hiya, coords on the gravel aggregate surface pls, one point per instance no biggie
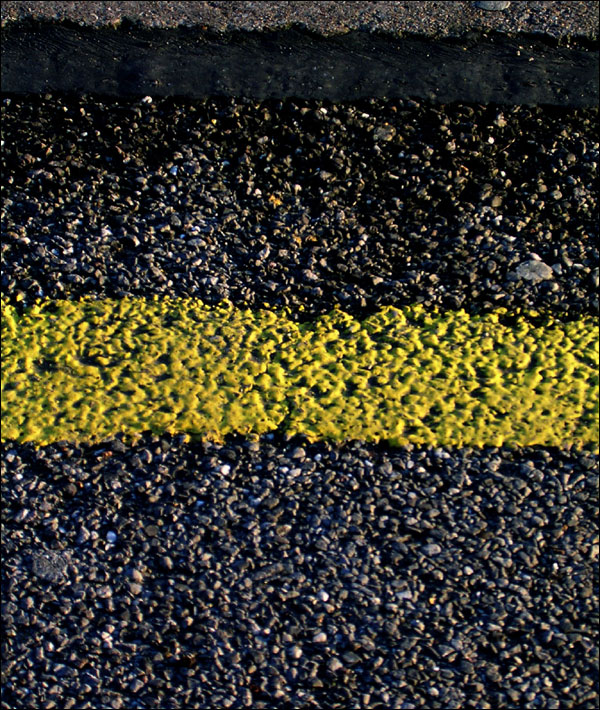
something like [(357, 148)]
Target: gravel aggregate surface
[(301, 203), (553, 19), (279, 573), (286, 574)]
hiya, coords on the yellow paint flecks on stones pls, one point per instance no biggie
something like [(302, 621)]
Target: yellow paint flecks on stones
[(87, 370)]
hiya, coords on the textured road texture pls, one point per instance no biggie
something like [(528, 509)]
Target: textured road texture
[(285, 571), (280, 572)]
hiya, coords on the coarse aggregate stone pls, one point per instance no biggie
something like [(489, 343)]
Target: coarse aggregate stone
[(279, 573), (290, 203)]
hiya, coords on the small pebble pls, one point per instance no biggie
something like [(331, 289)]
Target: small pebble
[(335, 665), (492, 4), (534, 271)]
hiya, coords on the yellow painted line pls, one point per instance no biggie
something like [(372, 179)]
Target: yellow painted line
[(86, 370)]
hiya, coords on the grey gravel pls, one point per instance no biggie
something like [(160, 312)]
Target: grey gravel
[(449, 581), (560, 20)]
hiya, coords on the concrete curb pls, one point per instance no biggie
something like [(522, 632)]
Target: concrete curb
[(530, 53)]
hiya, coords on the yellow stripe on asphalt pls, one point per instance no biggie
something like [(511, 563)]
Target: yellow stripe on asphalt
[(84, 371)]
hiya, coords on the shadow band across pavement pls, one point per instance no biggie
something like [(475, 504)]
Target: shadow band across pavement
[(129, 60)]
